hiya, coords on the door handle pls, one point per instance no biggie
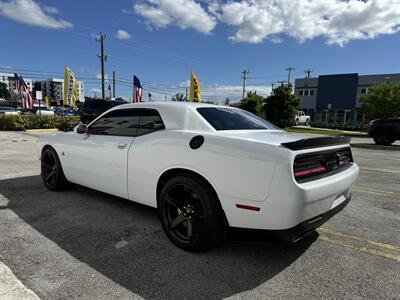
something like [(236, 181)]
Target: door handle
[(121, 146)]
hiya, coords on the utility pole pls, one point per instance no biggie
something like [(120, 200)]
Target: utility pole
[(186, 98), (308, 72), (114, 85), (103, 58), (290, 69), (244, 77)]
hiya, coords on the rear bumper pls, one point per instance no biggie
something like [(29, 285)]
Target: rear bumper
[(297, 232), (290, 203)]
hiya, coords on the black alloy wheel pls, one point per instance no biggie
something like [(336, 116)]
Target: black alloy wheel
[(51, 170), (190, 213)]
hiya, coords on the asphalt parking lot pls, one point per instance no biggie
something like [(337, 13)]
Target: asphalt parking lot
[(83, 244)]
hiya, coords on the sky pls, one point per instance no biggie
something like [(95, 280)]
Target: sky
[(162, 41)]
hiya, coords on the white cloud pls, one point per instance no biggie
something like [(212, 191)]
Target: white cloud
[(98, 76), (95, 91), (51, 9), (123, 35), (338, 21), (29, 12), (182, 13), (276, 39), (218, 93), (127, 11), (253, 21)]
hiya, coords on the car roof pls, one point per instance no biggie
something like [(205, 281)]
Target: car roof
[(178, 115)]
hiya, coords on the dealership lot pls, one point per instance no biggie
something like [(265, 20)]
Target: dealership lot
[(84, 244)]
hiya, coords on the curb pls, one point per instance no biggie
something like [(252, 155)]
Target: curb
[(42, 130)]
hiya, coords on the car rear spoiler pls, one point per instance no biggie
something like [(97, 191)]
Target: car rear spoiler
[(317, 142)]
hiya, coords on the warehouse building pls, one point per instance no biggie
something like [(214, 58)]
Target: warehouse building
[(334, 98)]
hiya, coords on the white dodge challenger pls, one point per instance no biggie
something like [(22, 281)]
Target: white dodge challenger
[(205, 167)]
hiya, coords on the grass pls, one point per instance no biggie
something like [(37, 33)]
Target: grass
[(326, 132)]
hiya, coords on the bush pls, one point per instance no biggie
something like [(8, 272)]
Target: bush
[(23, 122)]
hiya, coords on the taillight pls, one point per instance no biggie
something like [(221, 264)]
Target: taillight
[(309, 165)]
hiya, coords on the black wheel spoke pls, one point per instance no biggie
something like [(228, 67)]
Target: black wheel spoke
[(198, 215), (47, 165), (189, 228), (171, 201), (178, 220), (50, 175)]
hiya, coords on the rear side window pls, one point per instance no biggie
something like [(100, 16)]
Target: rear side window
[(122, 122), (233, 119), (128, 122), (150, 120)]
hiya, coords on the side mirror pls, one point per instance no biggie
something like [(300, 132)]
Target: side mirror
[(81, 129)]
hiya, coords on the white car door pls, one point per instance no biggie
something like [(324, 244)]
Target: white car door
[(98, 159)]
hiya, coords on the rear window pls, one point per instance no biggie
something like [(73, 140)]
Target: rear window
[(222, 118)]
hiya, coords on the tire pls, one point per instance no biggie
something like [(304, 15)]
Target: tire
[(296, 122), (307, 122), (383, 138), (190, 213), (51, 171)]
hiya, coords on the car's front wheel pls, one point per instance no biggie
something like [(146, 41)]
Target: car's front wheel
[(51, 170), (190, 213)]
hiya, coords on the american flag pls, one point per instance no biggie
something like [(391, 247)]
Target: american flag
[(21, 87), (138, 89)]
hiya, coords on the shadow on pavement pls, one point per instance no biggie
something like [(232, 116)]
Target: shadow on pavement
[(125, 242)]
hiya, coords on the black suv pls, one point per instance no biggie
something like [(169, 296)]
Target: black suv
[(384, 131), (91, 109)]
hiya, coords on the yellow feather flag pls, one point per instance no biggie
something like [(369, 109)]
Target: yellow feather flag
[(70, 87), (194, 95)]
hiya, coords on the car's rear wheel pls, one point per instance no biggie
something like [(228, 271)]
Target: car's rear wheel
[(383, 138), (190, 213), (51, 170)]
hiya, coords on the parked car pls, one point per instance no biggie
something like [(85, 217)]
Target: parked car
[(44, 112), (6, 110), (205, 167), (64, 111), (384, 131), (91, 109), (301, 119)]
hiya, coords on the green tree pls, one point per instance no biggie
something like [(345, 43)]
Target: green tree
[(178, 97), (381, 101), (252, 103), (4, 93), (281, 106)]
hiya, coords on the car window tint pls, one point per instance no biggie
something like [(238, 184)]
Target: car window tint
[(150, 121), (117, 122), (233, 119)]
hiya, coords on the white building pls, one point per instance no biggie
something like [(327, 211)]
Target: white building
[(54, 89), (51, 87), (8, 79)]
